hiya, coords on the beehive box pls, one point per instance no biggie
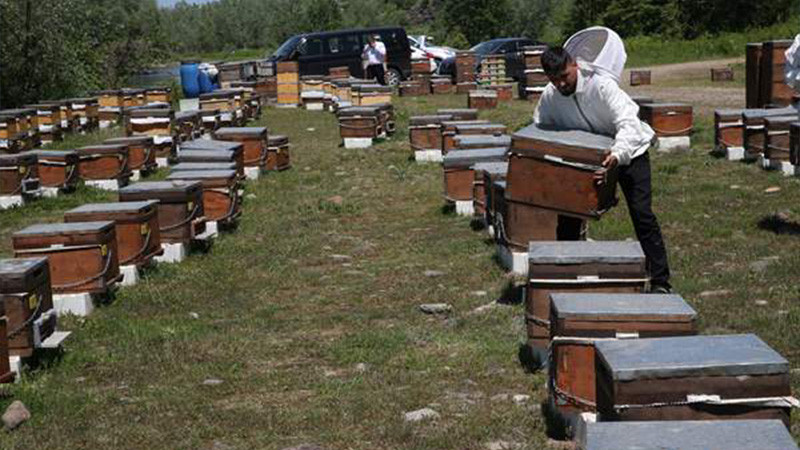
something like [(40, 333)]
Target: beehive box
[(180, 207), (19, 174), (104, 162), (482, 99), (254, 139), (640, 77), (202, 150), (728, 128), (27, 299), (58, 168), (360, 122), (83, 256), (480, 192), (278, 156), (692, 378), (459, 175), (141, 152), (221, 200), (136, 228), (577, 267)]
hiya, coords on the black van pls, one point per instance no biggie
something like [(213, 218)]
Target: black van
[(318, 52)]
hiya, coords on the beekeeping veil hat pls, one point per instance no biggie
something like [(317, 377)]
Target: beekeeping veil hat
[(600, 48)]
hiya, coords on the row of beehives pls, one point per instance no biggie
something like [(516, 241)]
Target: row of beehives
[(67, 267), (152, 128), (771, 136), (613, 353)]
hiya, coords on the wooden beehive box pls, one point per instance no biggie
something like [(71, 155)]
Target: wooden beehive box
[(505, 92), (188, 124), (466, 88), (753, 75), (150, 122), (412, 89), (339, 72), (371, 94), (104, 162), (85, 111), (136, 228), (794, 143), (441, 86), (480, 193), (58, 168), (141, 152), (359, 122), (450, 129), (221, 201), (687, 435), (425, 132), (26, 295), (577, 321), (692, 378), (132, 97), (110, 98), (490, 178), (721, 74), (458, 173), (728, 128), (180, 207), (640, 77), (754, 127), (83, 256), (524, 223), (254, 139), (577, 267), (668, 119), (19, 174), (202, 150), (774, 90), (482, 99), (278, 157), (556, 159), (776, 137), (158, 94), (221, 100), (210, 119)]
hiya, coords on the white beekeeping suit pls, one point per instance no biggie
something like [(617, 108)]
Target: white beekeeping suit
[(601, 49), (792, 67)]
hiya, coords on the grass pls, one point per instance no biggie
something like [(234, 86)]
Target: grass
[(653, 50), (307, 313)]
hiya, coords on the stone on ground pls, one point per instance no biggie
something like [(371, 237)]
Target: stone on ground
[(421, 414), (16, 414), (435, 308)]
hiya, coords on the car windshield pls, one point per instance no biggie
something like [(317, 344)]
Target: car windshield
[(285, 50), (485, 48)]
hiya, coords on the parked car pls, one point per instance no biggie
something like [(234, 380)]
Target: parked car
[(416, 53), (318, 52), (438, 53), (511, 47)]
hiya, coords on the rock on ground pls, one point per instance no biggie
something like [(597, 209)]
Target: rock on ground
[(421, 414), (435, 308), (305, 447), (16, 414)]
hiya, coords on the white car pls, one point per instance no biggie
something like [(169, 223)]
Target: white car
[(416, 53), (436, 52)]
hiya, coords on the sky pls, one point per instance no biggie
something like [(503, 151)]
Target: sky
[(173, 2)]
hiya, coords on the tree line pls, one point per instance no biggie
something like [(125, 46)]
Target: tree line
[(57, 48)]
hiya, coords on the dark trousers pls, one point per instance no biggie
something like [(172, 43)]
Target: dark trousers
[(635, 182), (376, 71)]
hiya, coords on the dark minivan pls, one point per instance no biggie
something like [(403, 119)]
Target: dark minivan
[(318, 52)]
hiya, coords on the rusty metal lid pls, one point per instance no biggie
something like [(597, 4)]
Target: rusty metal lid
[(52, 229), (585, 252), (687, 435), (588, 306), (689, 356)]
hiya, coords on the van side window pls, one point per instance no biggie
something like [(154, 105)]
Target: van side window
[(311, 47), (343, 44)]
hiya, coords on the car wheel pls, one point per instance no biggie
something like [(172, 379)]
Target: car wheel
[(393, 77)]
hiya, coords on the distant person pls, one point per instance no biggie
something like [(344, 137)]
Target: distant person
[(792, 66), (582, 98), (374, 57)]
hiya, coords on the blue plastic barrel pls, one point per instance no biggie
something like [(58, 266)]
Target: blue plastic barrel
[(190, 78), (205, 82)]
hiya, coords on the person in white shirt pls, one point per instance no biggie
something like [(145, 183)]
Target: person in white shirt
[(374, 56), (580, 98)]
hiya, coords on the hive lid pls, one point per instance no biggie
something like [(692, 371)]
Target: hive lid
[(781, 120), (585, 252), (591, 306), (488, 126), (211, 155), (80, 100), (277, 139), (466, 158), (20, 267), (102, 148), (763, 113), (729, 112), (458, 111), (60, 154), (116, 207), (184, 166), (15, 159), (429, 119), (690, 356), (358, 111), (150, 112), (161, 186), (569, 138), (671, 105), (483, 93), (485, 140), (491, 167), (239, 131), (688, 435), (201, 174), (187, 115), (142, 139), (52, 229), (217, 95), (210, 144)]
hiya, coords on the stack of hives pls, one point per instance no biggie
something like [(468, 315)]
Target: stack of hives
[(466, 63), (288, 84), (535, 80), (765, 86), (493, 70)]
